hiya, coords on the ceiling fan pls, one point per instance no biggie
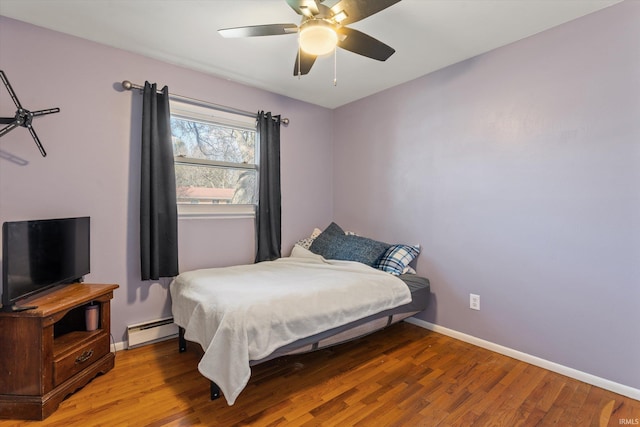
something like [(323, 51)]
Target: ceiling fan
[(22, 117), (323, 28)]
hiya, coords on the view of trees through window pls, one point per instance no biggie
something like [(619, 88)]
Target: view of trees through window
[(215, 163)]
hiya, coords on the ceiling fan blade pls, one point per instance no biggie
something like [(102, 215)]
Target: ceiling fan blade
[(304, 7), (7, 120), (37, 141), (358, 42), (355, 10), (259, 30), (305, 61)]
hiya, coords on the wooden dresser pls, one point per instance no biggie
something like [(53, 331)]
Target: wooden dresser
[(46, 353)]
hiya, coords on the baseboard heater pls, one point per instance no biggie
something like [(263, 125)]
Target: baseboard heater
[(153, 331)]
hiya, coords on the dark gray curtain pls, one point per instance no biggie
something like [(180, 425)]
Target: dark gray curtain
[(268, 217), (158, 210)]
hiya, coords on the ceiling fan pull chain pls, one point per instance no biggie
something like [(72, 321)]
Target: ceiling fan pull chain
[(335, 66), (299, 55)]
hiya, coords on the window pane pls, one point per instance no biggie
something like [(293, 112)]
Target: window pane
[(201, 140), (215, 185)]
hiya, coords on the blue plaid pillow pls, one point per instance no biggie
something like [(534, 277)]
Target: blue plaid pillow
[(397, 258)]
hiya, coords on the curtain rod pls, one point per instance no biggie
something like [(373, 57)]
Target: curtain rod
[(126, 84)]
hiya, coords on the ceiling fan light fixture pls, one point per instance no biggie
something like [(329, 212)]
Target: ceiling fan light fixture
[(318, 37)]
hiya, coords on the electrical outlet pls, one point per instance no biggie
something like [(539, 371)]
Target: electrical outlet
[(474, 302)]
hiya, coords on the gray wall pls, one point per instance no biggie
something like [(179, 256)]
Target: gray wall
[(519, 173), (93, 162)]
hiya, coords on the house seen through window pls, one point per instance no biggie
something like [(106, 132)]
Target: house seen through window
[(215, 160)]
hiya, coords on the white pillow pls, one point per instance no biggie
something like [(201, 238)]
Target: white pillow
[(306, 242)]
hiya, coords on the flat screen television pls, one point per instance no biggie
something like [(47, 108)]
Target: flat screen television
[(40, 254)]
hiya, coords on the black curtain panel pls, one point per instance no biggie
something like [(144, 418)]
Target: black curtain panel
[(158, 210), (268, 217)]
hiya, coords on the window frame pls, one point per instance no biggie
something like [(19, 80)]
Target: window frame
[(199, 111)]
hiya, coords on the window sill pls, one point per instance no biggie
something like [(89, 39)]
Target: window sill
[(197, 211)]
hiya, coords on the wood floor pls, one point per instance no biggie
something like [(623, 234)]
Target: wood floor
[(403, 376)]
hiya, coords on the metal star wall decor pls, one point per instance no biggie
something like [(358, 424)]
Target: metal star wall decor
[(22, 117)]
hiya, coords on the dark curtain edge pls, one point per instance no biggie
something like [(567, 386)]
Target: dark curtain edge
[(269, 211), (158, 208)]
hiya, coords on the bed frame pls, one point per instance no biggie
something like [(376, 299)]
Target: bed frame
[(301, 346), (420, 293), (214, 390)]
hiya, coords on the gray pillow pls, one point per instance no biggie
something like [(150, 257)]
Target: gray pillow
[(333, 230), (337, 245)]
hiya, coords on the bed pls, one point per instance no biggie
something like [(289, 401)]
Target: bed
[(245, 315)]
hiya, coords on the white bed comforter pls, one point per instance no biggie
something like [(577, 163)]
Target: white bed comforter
[(243, 313)]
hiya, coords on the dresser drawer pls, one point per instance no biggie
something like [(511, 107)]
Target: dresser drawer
[(80, 357)]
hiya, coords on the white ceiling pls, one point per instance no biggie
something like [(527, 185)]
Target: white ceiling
[(427, 35)]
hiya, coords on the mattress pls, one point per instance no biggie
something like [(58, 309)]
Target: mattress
[(420, 291)]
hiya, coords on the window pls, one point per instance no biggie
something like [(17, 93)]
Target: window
[(215, 160)]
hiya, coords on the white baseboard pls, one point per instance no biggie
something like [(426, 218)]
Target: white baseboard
[(622, 389), (117, 346)]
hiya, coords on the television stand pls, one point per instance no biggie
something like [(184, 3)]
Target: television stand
[(47, 352), (16, 308)]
